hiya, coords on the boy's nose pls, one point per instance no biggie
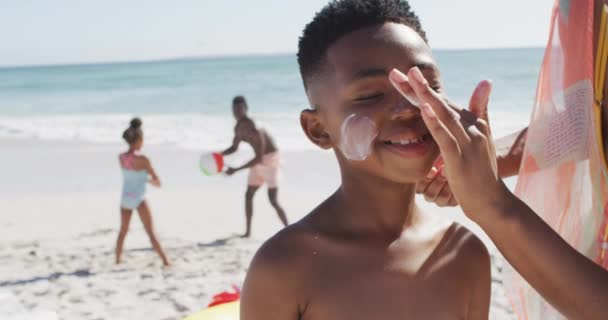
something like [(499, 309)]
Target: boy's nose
[(403, 109)]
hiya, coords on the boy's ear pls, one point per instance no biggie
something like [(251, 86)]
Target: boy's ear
[(314, 129)]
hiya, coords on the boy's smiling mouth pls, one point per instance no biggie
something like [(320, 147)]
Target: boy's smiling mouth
[(408, 145)]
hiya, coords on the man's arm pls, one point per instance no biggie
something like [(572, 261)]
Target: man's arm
[(257, 143), (234, 147), (256, 159)]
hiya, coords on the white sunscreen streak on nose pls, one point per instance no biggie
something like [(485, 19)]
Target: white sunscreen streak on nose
[(398, 108), (409, 97), (357, 134)]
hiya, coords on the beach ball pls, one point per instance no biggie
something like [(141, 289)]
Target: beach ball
[(211, 164)]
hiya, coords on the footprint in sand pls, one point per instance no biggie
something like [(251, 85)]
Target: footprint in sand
[(179, 307), (107, 293), (30, 306), (76, 300), (25, 245), (199, 296), (100, 232), (41, 294), (145, 292)]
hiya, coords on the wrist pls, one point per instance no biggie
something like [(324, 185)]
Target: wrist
[(497, 205)]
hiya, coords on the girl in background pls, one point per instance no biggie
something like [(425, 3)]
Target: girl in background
[(137, 171)]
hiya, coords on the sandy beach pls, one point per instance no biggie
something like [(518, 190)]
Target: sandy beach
[(59, 219)]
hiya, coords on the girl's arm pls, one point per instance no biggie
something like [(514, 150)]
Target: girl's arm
[(155, 181)]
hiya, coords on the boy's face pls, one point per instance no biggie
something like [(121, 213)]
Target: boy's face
[(360, 115)]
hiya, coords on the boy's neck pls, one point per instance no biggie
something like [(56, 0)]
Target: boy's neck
[(375, 205)]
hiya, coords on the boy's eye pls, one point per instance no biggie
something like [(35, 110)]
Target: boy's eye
[(371, 97)]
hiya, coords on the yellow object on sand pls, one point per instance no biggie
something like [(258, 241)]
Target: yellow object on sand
[(226, 311)]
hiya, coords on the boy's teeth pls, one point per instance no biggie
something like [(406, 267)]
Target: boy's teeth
[(406, 142)]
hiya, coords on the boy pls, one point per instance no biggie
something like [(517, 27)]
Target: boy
[(263, 168), (368, 252)]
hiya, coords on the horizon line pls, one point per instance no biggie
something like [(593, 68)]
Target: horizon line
[(218, 56)]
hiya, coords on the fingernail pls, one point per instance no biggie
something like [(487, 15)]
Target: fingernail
[(398, 76), (417, 75), (432, 173), (484, 88), (490, 86), (428, 111)]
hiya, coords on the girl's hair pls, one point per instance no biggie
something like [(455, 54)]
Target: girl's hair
[(134, 132)]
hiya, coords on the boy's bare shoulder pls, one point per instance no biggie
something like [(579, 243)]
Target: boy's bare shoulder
[(472, 245), (467, 249), (287, 249), (278, 272), (455, 238)]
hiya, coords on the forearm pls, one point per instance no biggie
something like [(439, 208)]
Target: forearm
[(575, 285), (151, 172), (229, 151), (153, 176)]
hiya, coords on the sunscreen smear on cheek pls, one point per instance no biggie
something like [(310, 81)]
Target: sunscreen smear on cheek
[(357, 135)]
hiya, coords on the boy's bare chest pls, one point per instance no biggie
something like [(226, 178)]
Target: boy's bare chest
[(368, 287)]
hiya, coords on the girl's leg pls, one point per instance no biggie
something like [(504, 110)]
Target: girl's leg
[(146, 220), (125, 219)]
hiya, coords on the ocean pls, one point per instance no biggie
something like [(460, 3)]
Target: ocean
[(187, 102)]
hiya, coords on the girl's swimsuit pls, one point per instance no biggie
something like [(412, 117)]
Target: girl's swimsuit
[(134, 183)]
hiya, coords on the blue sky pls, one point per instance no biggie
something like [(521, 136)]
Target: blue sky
[(76, 31)]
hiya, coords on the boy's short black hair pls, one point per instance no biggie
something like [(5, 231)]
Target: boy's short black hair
[(341, 17), (238, 99)]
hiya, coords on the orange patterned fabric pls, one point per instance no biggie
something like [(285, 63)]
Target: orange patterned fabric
[(563, 176)]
